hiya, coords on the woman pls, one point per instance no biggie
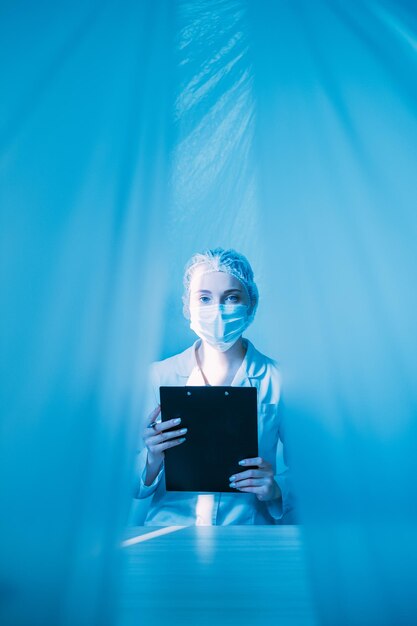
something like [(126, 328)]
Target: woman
[(220, 300)]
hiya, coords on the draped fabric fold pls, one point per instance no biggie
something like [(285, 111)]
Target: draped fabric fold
[(86, 127), (336, 134)]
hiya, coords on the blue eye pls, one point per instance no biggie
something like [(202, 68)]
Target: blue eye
[(204, 299), (232, 299)]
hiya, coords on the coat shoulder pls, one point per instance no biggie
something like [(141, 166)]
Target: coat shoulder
[(266, 365), (172, 369)]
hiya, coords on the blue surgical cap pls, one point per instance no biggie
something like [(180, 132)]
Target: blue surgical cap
[(220, 260)]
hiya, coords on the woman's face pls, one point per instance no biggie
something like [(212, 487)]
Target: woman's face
[(216, 288)]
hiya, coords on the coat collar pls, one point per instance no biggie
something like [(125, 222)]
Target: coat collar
[(253, 365)]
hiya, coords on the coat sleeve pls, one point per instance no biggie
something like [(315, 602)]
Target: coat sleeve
[(152, 400), (282, 508)]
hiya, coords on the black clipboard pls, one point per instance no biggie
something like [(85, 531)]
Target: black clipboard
[(222, 427)]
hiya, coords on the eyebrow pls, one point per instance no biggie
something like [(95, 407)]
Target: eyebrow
[(227, 290)]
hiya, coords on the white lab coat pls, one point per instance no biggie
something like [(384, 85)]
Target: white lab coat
[(185, 508)]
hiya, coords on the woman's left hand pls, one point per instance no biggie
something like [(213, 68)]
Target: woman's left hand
[(259, 481)]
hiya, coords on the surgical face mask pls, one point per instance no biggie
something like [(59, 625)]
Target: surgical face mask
[(220, 325)]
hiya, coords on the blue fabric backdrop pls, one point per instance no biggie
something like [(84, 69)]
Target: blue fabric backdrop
[(133, 135)]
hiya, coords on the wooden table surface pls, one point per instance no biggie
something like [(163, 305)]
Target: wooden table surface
[(221, 575)]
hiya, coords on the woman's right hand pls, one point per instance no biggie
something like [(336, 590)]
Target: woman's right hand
[(157, 441)]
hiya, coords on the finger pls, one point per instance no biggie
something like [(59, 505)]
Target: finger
[(157, 439), (258, 461), (168, 444), (161, 426), (258, 491), (249, 482), (254, 473), (154, 414)]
